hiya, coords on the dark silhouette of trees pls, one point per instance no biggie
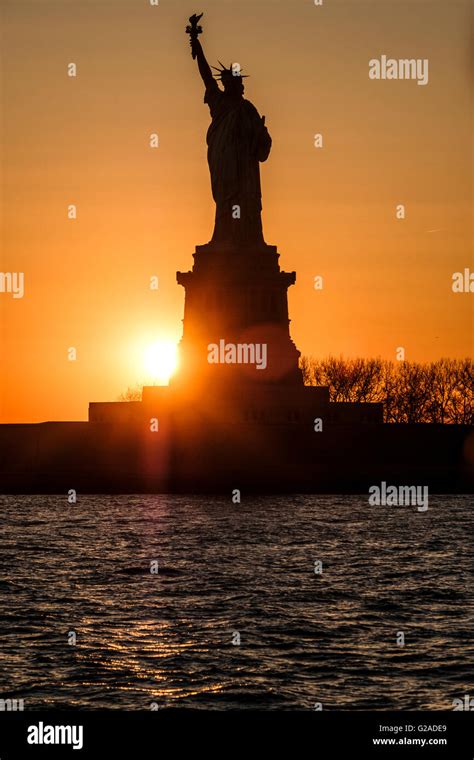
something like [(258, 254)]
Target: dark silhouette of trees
[(440, 391), (133, 393)]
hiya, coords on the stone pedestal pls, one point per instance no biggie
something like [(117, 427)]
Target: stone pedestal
[(236, 297)]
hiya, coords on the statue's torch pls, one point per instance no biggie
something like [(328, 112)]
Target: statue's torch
[(194, 31)]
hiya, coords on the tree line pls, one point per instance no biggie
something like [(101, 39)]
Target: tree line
[(440, 391)]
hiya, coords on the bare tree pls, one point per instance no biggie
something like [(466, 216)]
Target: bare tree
[(441, 391), (133, 393)]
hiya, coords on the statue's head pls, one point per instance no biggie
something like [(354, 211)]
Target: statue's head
[(232, 79)]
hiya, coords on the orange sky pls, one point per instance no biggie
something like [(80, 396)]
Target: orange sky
[(331, 211)]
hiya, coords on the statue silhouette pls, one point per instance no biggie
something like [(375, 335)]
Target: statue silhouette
[(237, 141)]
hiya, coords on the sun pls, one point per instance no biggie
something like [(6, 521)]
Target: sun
[(160, 361)]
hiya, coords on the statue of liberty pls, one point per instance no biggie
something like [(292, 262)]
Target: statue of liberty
[(237, 141)]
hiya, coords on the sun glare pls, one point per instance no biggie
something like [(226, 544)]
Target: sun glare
[(160, 361)]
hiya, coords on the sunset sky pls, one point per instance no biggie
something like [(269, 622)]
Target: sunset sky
[(141, 211)]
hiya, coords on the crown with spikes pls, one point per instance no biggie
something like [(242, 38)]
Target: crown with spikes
[(224, 73)]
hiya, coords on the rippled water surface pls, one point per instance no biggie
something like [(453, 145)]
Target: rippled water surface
[(226, 570)]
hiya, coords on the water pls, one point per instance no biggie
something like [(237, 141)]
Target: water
[(225, 569)]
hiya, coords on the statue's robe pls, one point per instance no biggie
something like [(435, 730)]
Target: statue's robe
[(237, 141)]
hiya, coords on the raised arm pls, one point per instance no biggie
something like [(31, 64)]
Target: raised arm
[(194, 30), (204, 68)]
